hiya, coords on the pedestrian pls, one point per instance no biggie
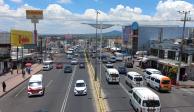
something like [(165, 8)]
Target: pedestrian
[(4, 86), (23, 73), (11, 70)]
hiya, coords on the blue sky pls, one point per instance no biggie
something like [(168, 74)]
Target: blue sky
[(124, 12), (79, 6)]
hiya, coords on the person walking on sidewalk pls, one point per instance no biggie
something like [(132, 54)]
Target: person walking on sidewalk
[(23, 73), (11, 70), (4, 86)]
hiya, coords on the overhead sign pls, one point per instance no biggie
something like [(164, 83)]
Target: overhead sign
[(34, 14), (20, 37)]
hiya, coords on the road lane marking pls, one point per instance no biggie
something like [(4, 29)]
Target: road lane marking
[(68, 90), (122, 86), (50, 82), (20, 92)]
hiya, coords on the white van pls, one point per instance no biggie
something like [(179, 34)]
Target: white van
[(134, 79), (35, 85), (159, 82), (150, 71), (144, 100), (112, 75)]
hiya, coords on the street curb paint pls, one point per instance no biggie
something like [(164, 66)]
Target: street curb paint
[(95, 85)]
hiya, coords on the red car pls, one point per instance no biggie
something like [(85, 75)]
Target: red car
[(59, 66)]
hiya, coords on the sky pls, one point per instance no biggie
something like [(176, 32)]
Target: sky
[(68, 16)]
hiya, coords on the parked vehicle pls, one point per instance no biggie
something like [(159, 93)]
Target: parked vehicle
[(150, 71), (134, 79), (159, 82), (35, 85), (80, 88), (144, 100), (112, 75)]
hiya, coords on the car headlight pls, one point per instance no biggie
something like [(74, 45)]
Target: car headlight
[(75, 90)]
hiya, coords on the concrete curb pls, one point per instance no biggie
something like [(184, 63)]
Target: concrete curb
[(17, 85)]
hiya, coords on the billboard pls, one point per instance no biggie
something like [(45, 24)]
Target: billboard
[(20, 37), (34, 14)]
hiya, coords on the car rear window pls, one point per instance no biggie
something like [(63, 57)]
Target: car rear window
[(166, 82)]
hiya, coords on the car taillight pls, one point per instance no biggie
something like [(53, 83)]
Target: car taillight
[(29, 88)]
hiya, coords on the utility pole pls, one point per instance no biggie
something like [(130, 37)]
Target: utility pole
[(181, 47), (95, 77)]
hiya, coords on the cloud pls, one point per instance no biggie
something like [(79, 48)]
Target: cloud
[(57, 19), (17, 1), (64, 1)]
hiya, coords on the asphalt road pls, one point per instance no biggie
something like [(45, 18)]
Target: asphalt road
[(178, 100), (58, 96)]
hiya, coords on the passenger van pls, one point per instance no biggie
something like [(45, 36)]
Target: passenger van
[(112, 75), (134, 79), (150, 71), (159, 82), (144, 100), (35, 85)]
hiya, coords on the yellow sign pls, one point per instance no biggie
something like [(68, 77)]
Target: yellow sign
[(20, 37), (34, 14)]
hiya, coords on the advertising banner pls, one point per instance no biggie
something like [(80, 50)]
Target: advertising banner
[(34, 14), (20, 37)]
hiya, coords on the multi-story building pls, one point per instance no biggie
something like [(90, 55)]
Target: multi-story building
[(138, 37), (5, 47)]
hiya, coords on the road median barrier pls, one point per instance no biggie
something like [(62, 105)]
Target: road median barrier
[(96, 85)]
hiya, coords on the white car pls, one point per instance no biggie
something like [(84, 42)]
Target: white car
[(47, 67), (80, 88), (74, 61), (109, 65)]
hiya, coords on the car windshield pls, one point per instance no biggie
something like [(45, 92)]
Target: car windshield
[(34, 84), (156, 72), (138, 78), (114, 75), (80, 84), (151, 103)]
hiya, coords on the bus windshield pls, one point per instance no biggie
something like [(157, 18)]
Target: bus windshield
[(151, 103)]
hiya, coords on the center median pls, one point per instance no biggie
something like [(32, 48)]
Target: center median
[(102, 107)]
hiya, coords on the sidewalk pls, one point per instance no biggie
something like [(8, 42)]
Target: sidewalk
[(13, 80)]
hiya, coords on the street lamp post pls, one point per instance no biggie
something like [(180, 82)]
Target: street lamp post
[(95, 76), (181, 46)]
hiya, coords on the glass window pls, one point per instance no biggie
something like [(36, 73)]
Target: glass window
[(151, 103), (156, 80), (138, 79), (34, 84), (152, 78), (166, 82), (80, 84)]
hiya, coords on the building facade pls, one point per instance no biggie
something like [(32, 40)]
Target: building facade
[(138, 37)]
